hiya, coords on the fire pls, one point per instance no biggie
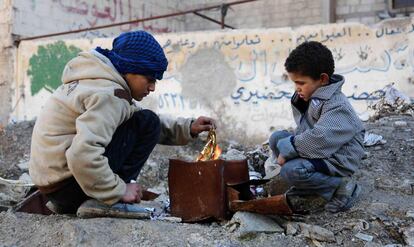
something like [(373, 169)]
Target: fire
[(211, 150), (217, 152)]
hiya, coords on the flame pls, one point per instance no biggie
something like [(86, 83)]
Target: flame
[(217, 152), (211, 150)]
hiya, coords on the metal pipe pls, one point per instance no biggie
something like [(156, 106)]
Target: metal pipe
[(212, 20), (133, 21)]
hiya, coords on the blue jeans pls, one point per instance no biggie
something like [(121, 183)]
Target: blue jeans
[(129, 149), (301, 173)]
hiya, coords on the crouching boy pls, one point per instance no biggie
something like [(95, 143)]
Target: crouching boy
[(91, 140), (327, 145)]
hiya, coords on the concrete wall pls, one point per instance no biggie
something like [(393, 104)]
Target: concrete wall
[(367, 11), (238, 76), (263, 14), (39, 17), (6, 60), (48, 16)]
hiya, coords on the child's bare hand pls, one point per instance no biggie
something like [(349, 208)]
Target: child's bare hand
[(280, 160), (202, 124), (133, 193)]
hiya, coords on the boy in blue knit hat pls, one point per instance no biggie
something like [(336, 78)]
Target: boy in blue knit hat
[(91, 140)]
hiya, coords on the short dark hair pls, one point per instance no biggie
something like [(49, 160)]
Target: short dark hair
[(311, 59)]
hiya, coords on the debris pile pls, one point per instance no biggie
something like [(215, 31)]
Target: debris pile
[(391, 102), (383, 217)]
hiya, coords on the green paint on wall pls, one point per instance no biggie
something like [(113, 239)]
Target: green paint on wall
[(46, 67)]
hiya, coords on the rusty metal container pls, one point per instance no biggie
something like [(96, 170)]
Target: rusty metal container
[(198, 190), (35, 203)]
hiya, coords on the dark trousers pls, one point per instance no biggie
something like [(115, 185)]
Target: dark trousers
[(130, 147)]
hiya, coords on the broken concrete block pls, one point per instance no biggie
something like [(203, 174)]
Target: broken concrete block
[(170, 219), (316, 232), (292, 228), (408, 235), (372, 244), (400, 124), (233, 154), (25, 178), (251, 224), (410, 214), (24, 166), (364, 237)]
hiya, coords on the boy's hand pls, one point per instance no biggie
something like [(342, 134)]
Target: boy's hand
[(280, 160), (133, 193), (201, 124)]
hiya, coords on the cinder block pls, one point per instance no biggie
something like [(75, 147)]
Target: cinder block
[(364, 8), (368, 20), (341, 3), (353, 2), (355, 19), (316, 12), (379, 6), (368, 1), (342, 10)]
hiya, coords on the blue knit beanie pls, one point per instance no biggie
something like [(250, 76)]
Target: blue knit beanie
[(137, 53)]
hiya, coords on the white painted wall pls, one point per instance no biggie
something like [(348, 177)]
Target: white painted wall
[(238, 76), (6, 60)]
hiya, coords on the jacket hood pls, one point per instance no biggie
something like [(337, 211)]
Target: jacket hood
[(92, 65), (326, 92)]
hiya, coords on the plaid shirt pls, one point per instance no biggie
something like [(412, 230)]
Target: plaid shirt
[(327, 128)]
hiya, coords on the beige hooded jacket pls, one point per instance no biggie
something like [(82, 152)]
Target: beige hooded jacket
[(77, 123)]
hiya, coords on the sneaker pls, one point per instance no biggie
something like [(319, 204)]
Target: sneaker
[(302, 202), (345, 196), (93, 208)]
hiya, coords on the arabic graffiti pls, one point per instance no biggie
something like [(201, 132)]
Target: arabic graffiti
[(255, 96), (111, 11), (382, 65), (233, 43), (244, 95), (261, 89), (46, 66), (176, 101), (387, 31), (323, 36)]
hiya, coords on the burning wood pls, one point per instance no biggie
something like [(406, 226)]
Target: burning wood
[(211, 150)]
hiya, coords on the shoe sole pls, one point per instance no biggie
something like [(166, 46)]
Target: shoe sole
[(119, 210), (353, 199)]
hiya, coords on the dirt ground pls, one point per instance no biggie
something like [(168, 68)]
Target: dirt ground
[(385, 210)]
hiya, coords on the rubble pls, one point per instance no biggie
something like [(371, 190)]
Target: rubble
[(316, 232), (410, 213), (371, 139), (250, 224), (272, 168), (24, 166), (364, 237), (257, 158), (233, 154), (408, 235), (400, 124), (361, 225), (384, 212), (392, 102)]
